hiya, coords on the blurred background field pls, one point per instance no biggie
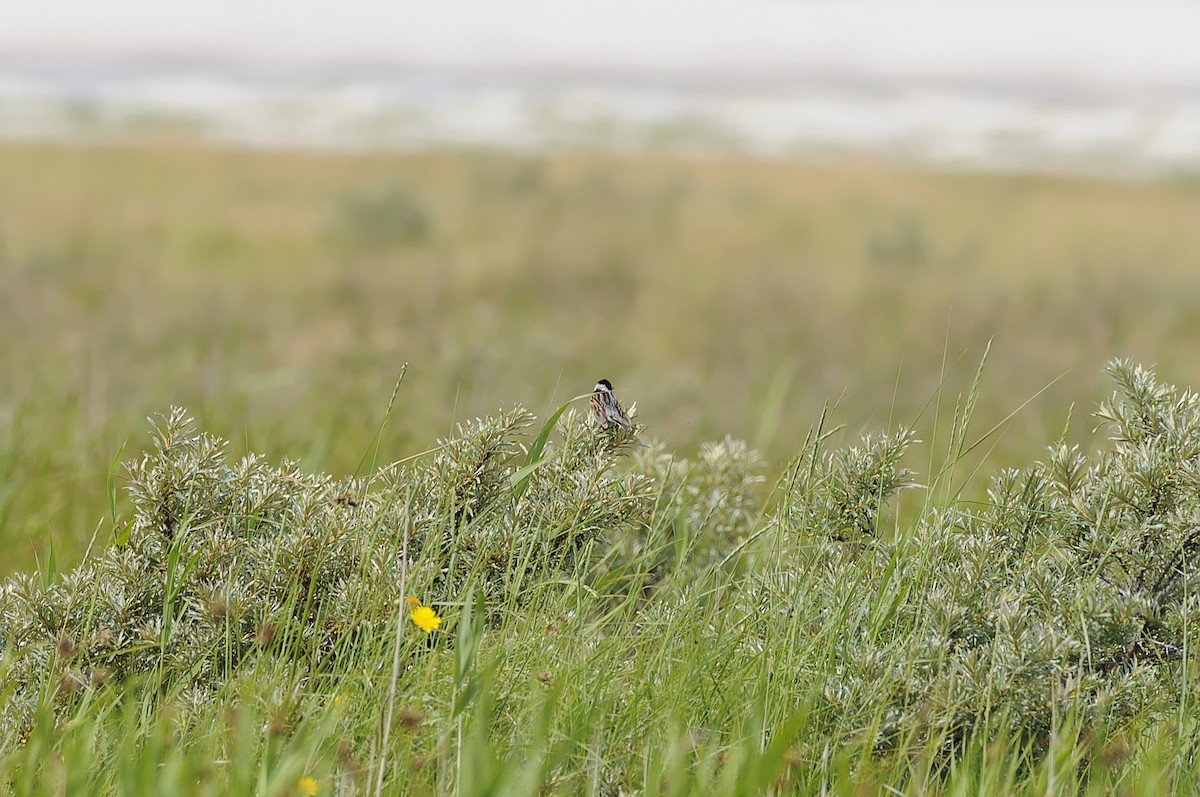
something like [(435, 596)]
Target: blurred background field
[(277, 294)]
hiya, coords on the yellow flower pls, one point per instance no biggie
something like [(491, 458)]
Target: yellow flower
[(308, 787), (425, 618)]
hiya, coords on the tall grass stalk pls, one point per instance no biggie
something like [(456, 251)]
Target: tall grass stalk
[(400, 607)]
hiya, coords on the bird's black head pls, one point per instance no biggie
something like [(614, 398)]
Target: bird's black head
[(604, 384)]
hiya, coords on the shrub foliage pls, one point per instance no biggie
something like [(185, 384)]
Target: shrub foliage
[(1071, 590)]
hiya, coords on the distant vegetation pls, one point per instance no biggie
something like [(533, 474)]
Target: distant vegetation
[(277, 295)]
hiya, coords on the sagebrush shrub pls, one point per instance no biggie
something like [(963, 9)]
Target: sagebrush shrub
[(704, 507), (1073, 587), (223, 559)]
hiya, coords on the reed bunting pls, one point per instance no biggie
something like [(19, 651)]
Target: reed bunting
[(606, 409)]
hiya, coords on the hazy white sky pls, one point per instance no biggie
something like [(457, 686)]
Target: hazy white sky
[(1104, 87), (1123, 43)]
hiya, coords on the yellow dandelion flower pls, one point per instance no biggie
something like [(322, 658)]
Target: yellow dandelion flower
[(425, 618), (308, 787)]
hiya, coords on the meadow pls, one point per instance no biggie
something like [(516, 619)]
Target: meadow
[(954, 553)]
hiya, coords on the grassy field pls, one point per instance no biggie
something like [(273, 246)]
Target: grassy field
[(278, 295), (677, 614)]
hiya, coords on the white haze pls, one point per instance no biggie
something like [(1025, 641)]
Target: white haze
[(1095, 87)]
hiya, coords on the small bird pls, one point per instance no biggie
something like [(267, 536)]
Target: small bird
[(606, 409)]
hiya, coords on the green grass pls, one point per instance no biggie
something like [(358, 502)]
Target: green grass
[(270, 294), (625, 622), (797, 615)]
